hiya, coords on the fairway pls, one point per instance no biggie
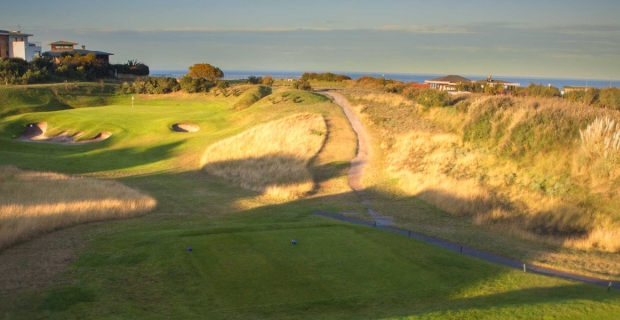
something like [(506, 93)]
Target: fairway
[(242, 264)]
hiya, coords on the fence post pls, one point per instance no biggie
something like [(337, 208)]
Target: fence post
[(410, 233), (609, 286), (461, 249), (524, 270)]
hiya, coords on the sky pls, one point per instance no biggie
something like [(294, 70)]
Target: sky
[(525, 38)]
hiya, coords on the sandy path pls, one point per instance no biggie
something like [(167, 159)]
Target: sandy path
[(358, 164)]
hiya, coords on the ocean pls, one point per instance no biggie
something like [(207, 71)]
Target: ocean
[(406, 77)]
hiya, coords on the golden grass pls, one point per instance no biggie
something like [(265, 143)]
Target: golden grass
[(271, 158), (442, 170), (35, 202)]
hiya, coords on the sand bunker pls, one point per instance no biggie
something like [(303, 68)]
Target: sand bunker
[(35, 132), (185, 127)]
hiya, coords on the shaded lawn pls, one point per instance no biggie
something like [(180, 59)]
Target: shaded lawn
[(244, 266)]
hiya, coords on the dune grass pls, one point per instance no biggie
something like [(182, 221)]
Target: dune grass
[(271, 158), (34, 202), (515, 166), (242, 264)]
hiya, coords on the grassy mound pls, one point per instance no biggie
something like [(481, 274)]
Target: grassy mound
[(35, 202), (51, 97), (271, 158), (251, 96)]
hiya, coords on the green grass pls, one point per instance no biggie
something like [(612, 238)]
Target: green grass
[(243, 264), (51, 97)]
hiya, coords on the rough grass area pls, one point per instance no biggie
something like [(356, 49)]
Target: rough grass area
[(271, 158), (33, 202), (250, 96), (50, 97), (516, 166)]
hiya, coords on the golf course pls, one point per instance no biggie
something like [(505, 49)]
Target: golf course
[(188, 209)]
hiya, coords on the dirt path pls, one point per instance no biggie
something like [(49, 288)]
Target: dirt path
[(358, 164)]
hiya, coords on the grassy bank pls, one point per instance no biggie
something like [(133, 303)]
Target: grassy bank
[(513, 166), (51, 97)]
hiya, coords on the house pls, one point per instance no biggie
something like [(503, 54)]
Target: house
[(567, 89), (447, 83), (61, 48), (508, 86), (14, 44)]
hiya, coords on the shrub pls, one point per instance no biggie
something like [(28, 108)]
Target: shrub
[(191, 85), (155, 85), (268, 81), (537, 90), (302, 84), (254, 80), (433, 98)]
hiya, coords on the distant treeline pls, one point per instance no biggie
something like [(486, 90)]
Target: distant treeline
[(46, 69), (327, 76)]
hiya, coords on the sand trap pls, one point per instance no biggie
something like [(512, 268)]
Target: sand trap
[(35, 132), (185, 127)]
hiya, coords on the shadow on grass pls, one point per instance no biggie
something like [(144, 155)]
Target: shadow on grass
[(98, 156), (243, 265)]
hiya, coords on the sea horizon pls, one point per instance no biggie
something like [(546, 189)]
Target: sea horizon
[(406, 77)]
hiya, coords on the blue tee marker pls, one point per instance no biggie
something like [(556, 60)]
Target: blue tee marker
[(189, 248), (294, 241)]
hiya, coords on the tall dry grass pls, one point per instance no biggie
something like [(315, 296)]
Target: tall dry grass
[(271, 158), (35, 202), (542, 169)]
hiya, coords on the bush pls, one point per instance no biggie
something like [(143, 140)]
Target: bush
[(191, 85), (255, 80), (610, 98), (537, 90), (302, 84), (429, 97), (268, 81), (155, 85)]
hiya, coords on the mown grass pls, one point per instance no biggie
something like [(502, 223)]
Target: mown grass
[(36, 98), (515, 166), (242, 264)]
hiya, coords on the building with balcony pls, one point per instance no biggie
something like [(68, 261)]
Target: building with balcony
[(14, 44), (60, 48)]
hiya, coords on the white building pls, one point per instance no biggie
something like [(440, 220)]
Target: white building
[(14, 44)]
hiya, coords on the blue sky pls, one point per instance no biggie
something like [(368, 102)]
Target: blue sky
[(568, 38)]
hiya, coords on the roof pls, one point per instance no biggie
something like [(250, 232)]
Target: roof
[(14, 33), (82, 52), (63, 43), (450, 78)]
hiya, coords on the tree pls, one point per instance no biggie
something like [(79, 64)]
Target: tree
[(255, 80), (268, 80), (205, 71)]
